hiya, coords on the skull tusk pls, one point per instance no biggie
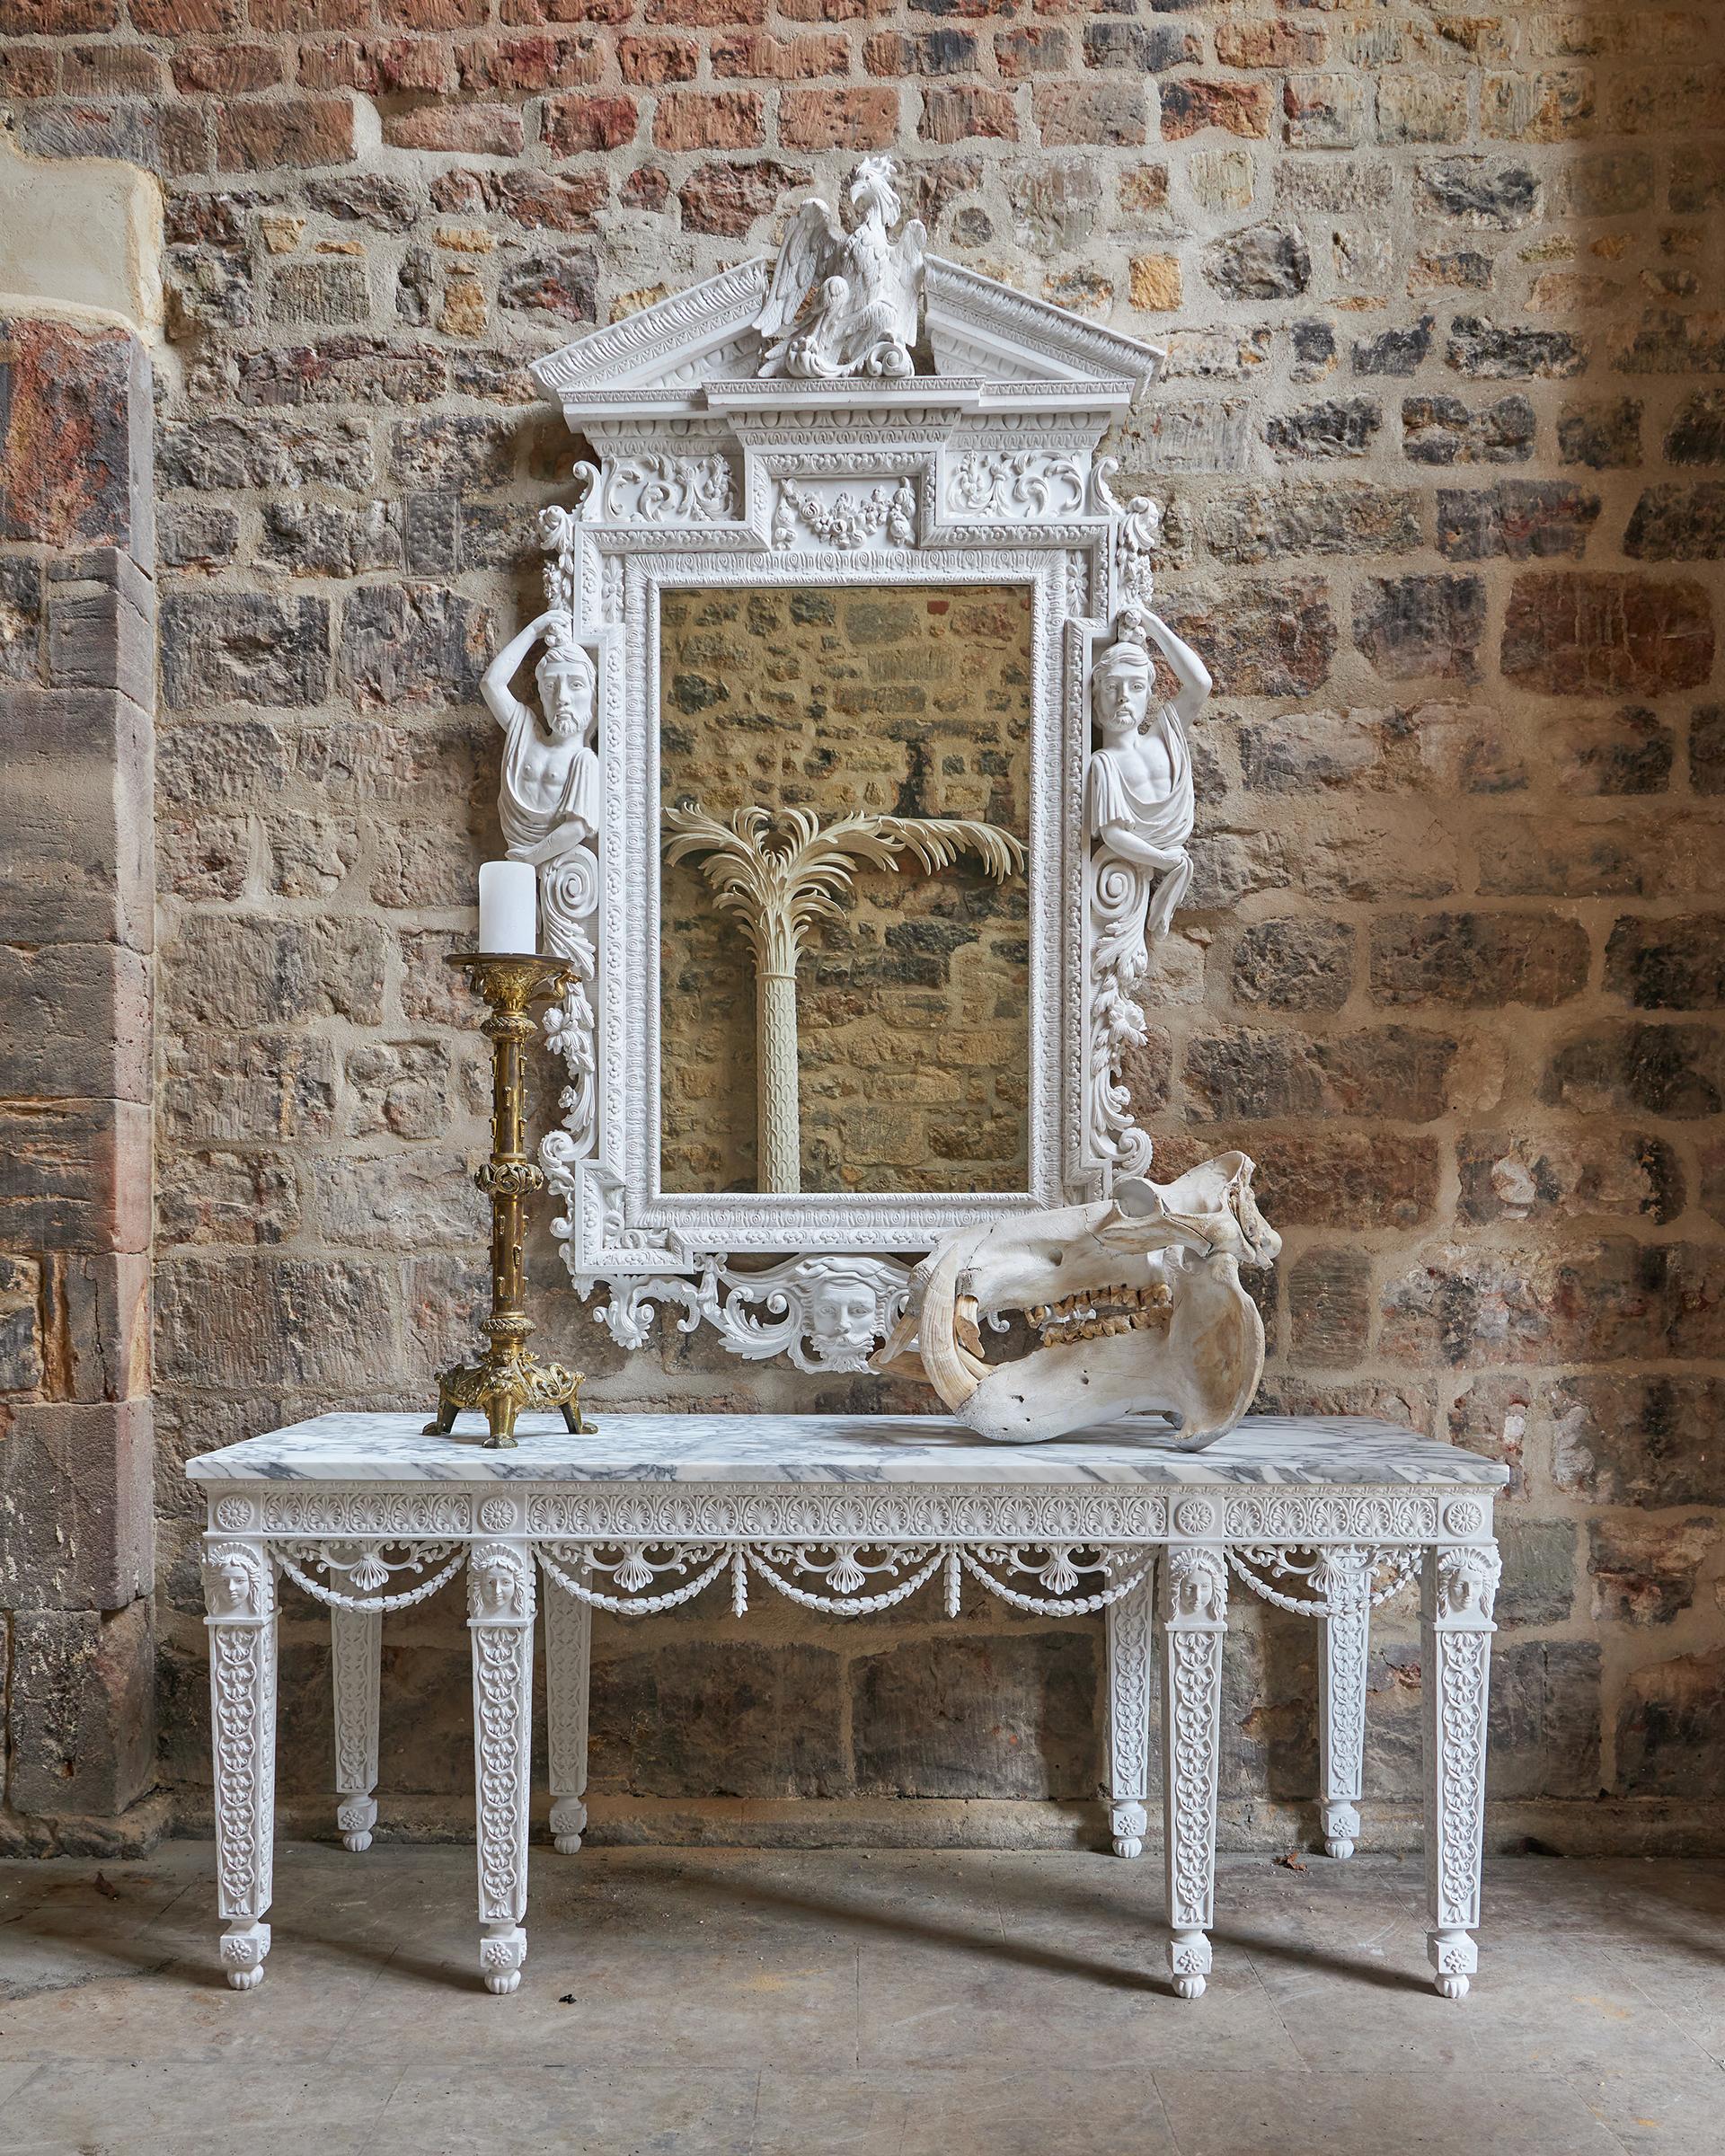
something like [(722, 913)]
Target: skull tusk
[(967, 1309), (943, 1359)]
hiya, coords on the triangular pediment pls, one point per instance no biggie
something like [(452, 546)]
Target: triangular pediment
[(975, 329)]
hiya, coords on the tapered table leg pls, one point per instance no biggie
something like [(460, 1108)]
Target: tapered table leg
[(499, 1622), (1192, 1606), (1344, 1638), (1128, 1768), (1459, 1588), (356, 1662), (240, 1599), (569, 1645)]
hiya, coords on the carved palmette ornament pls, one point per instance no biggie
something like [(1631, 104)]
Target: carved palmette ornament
[(1135, 1303)]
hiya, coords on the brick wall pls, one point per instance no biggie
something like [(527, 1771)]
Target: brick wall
[(1444, 438)]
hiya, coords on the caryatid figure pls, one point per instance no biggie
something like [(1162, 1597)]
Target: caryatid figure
[(1138, 804), (549, 803)]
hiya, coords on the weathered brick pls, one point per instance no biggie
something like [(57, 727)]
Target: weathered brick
[(826, 119), (1567, 634), (1395, 1072), (403, 643), (1602, 435), (685, 119), (1667, 964), (1114, 114), (1340, 426), (1480, 960), (1324, 112), (1412, 628), (919, 1711), (1678, 523), (1512, 1176), (476, 130), (1329, 1307), (1264, 261), (1353, 518), (242, 1320), (1141, 47), (1444, 430), (1330, 1178), (82, 1728), (725, 1719), (1521, 519), (1664, 1070), (1191, 103), (1480, 192), (1480, 349), (1697, 434), (728, 198), (1670, 343), (1293, 965), (243, 647), (1627, 1439), (559, 281), (1669, 1726), (257, 136), (1268, 639)]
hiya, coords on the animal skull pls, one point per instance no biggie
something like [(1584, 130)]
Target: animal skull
[(1136, 1301)]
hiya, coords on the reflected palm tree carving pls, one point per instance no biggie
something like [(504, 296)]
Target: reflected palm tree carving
[(780, 874)]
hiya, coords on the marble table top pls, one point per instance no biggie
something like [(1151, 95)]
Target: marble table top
[(801, 1449)]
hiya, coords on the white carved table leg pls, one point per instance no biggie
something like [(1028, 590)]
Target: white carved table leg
[(1127, 1774), (1344, 1638), (1456, 1629), (356, 1661), (500, 1621), (1192, 1619), (240, 1598), (569, 1645)]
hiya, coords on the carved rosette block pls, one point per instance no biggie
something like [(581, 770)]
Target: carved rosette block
[(1192, 1611), (1129, 1628), (1459, 1589), (239, 1601), (500, 1598)]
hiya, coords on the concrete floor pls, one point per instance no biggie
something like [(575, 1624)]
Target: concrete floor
[(698, 2003)]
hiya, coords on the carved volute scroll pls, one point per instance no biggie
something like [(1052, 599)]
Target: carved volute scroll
[(858, 412)]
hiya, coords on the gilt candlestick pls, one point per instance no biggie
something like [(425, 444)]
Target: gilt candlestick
[(506, 1378)]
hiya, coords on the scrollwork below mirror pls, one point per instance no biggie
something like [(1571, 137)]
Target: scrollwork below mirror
[(851, 798)]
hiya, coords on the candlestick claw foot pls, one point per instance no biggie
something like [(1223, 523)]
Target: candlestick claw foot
[(500, 1385)]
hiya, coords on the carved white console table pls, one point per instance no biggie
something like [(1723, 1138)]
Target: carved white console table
[(848, 1515)]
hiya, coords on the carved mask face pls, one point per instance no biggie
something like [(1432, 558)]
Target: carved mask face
[(1133, 1305), (1121, 697), (567, 695), (841, 1315)]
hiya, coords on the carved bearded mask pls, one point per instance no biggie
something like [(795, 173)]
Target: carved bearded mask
[(1133, 1305)]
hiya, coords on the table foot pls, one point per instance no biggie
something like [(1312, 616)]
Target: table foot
[(1455, 1955), (1341, 1827), (1189, 1962), (568, 1825), (502, 1949), (355, 1816), (1128, 1822), (244, 1946)]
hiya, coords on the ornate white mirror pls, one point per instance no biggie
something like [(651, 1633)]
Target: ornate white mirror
[(850, 789)]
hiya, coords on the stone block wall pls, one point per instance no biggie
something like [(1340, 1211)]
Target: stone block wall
[(1443, 439), (77, 687)]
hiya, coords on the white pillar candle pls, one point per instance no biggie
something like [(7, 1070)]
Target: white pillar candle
[(509, 906)]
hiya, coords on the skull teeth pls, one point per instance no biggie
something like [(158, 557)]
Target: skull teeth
[(1105, 1315)]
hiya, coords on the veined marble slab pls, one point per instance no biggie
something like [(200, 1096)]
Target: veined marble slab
[(756, 1449)]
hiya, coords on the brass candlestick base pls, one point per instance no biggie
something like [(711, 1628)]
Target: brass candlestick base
[(506, 1378)]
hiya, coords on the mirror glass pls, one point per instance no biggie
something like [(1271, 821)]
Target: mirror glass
[(861, 725)]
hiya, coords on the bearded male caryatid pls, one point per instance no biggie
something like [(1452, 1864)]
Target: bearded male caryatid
[(549, 803)]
